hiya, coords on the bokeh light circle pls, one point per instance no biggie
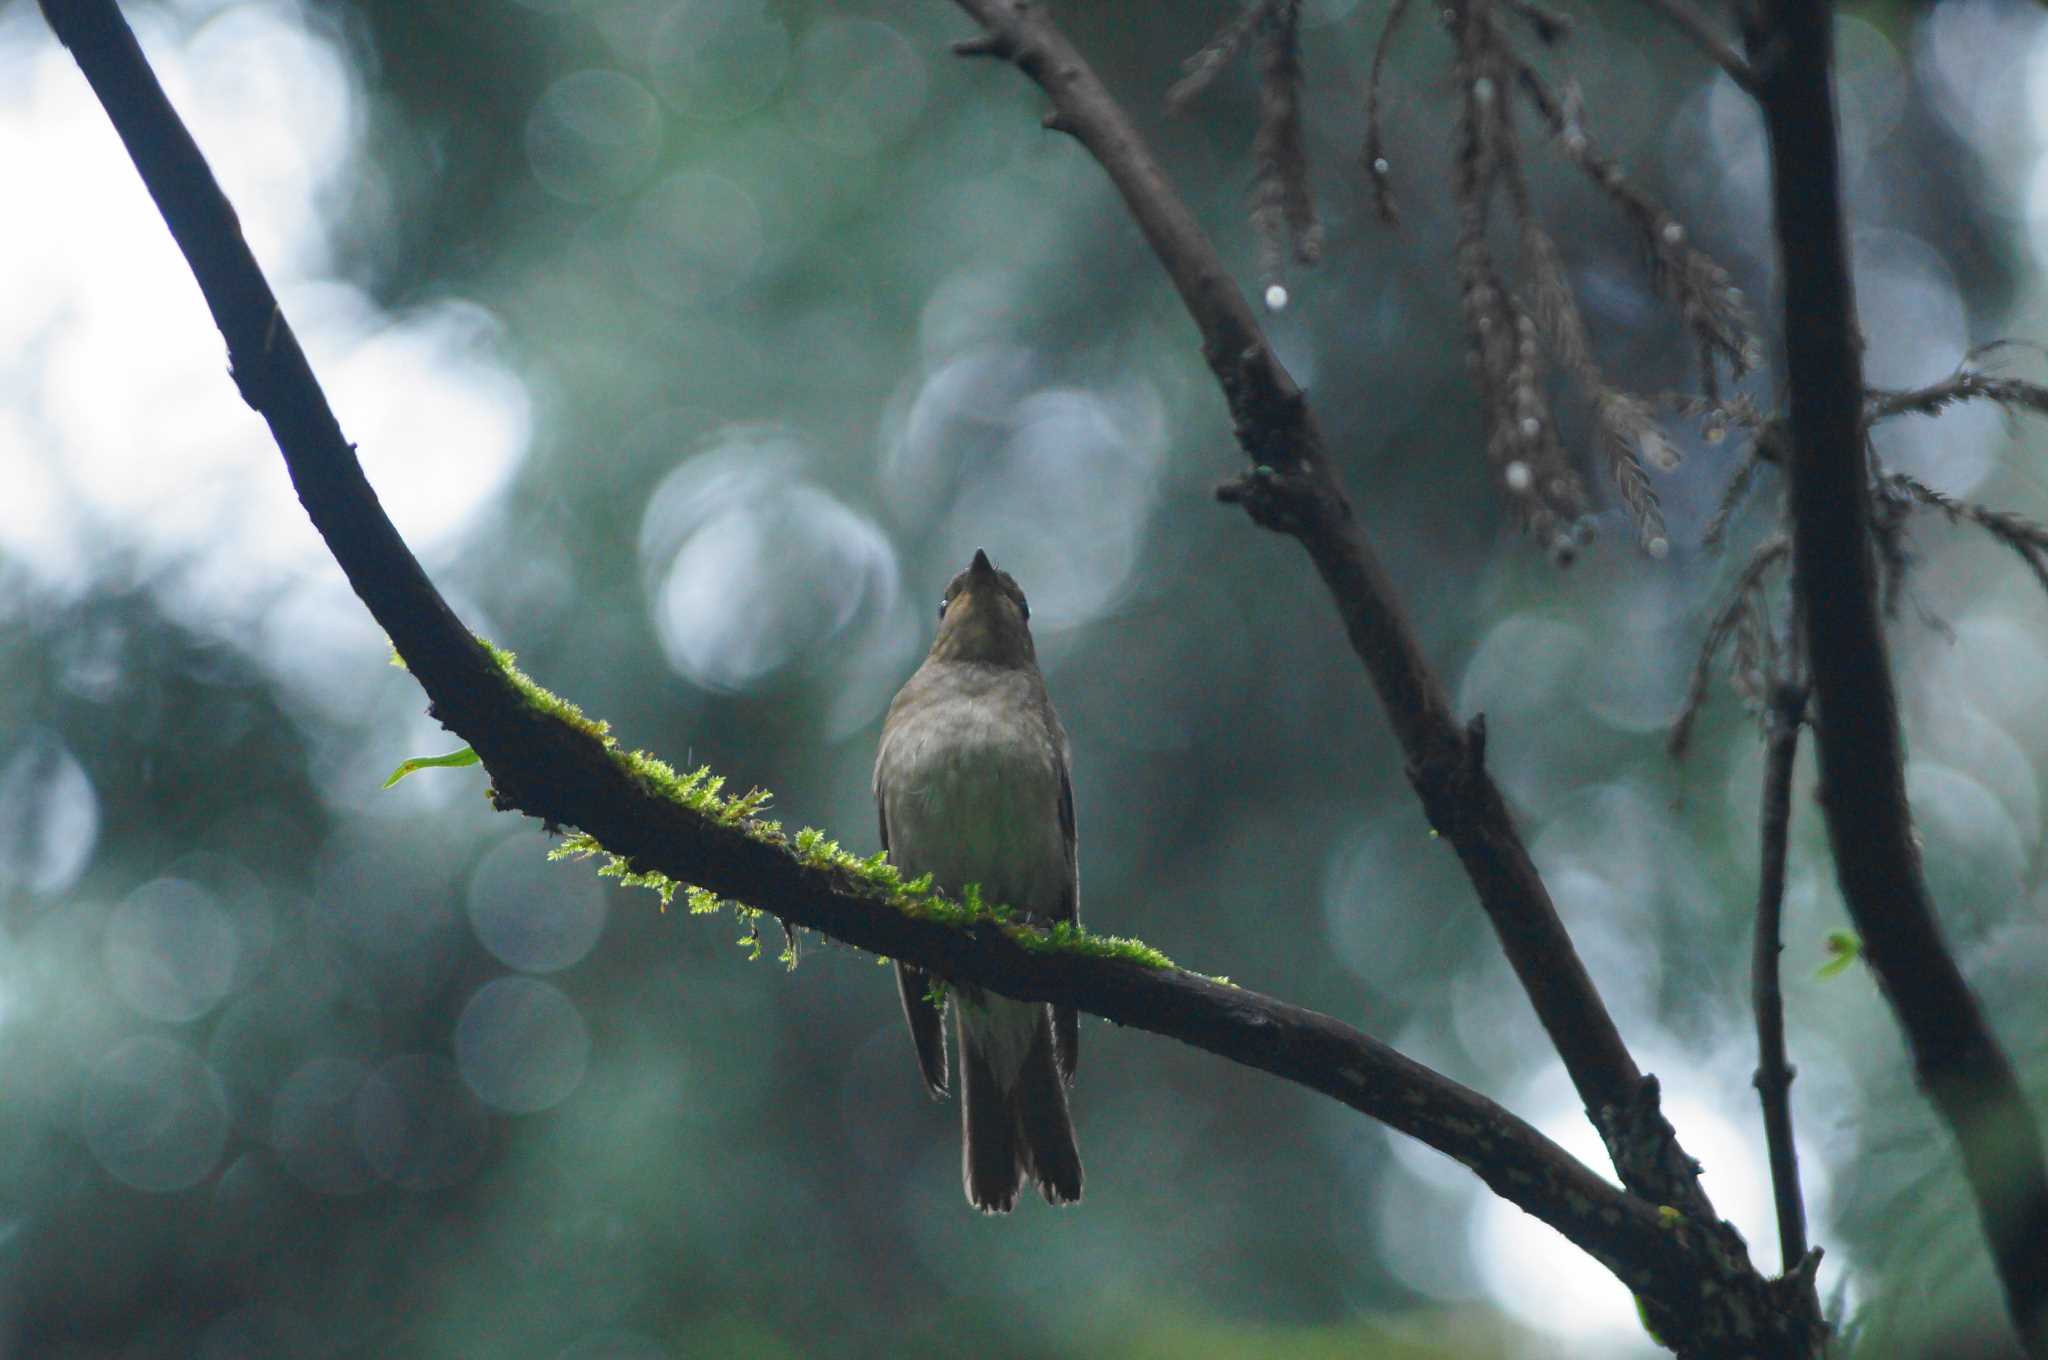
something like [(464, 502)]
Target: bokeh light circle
[(593, 135), (420, 1127), (715, 60), (751, 566), (858, 87), (522, 1045), (1077, 552), (312, 1127), (531, 914), (171, 950), (154, 1115), (1918, 331), (694, 238), (1555, 1288), (49, 816)]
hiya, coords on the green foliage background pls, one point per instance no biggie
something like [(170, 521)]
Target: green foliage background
[(807, 309)]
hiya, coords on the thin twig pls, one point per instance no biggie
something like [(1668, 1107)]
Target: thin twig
[(2023, 536), (1200, 70), (1731, 497), (1377, 170), (1694, 26), (1548, 25), (1966, 385), (1772, 550), (1710, 306), (1785, 713)]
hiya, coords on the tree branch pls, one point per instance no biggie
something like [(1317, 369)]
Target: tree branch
[(1957, 1060), (565, 774), (1292, 488), (1694, 25), (1786, 711)]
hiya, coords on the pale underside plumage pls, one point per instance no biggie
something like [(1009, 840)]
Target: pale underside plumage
[(971, 784)]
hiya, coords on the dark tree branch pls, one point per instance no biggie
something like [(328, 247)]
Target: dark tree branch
[(565, 775), (1787, 710), (1957, 1060), (1293, 488)]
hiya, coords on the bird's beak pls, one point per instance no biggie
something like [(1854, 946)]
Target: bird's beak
[(982, 568)]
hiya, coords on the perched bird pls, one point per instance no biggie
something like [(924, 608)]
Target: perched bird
[(972, 786)]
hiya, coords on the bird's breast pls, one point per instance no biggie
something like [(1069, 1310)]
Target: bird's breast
[(971, 788)]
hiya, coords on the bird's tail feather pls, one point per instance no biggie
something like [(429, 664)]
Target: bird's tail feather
[(988, 1126), (1045, 1126), (1025, 1130)]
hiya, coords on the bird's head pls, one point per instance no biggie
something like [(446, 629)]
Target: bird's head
[(983, 617)]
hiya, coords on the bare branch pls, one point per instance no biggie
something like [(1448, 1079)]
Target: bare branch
[(1378, 171), (1786, 712), (1957, 1058), (1204, 66), (1763, 447)]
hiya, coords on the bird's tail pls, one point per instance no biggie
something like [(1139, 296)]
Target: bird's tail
[(1019, 1128)]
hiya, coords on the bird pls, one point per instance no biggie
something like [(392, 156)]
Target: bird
[(973, 786)]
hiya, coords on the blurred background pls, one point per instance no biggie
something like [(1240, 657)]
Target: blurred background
[(694, 344)]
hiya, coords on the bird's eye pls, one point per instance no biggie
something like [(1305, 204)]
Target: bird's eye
[(942, 606), (1024, 608)]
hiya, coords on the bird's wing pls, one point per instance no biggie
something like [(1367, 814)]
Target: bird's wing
[(926, 1018), (1066, 1026)]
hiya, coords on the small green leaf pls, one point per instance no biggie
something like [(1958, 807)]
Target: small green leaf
[(466, 756), (1844, 948)]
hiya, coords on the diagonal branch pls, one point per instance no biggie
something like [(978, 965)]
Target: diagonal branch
[(1956, 1057), (565, 774), (1293, 488)]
